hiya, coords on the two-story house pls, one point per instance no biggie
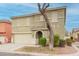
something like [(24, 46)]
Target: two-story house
[(27, 28)]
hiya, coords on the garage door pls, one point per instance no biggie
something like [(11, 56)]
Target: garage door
[(23, 39), (2, 38)]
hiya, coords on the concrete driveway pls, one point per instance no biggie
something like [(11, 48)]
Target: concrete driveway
[(8, 50)]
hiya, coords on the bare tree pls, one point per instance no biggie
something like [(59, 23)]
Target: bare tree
[(42, 8)]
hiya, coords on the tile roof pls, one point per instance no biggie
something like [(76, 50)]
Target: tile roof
[(5, 21)]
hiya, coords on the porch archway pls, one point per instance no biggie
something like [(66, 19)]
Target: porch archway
[(38, 35)]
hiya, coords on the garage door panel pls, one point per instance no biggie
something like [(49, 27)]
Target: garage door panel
[(23, 39)]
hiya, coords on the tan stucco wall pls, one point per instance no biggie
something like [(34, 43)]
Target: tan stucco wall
[(32, 24)]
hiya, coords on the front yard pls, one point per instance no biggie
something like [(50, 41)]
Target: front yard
[(46, 50)]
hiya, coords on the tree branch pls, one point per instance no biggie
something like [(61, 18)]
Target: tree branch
[(43, 5), (46, 6), (39, 6)]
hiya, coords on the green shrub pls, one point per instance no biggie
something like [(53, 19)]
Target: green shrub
[(56, 40), (69, 42), (61, 43), (42, 41)]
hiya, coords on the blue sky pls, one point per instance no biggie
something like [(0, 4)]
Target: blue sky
[(9, 10)]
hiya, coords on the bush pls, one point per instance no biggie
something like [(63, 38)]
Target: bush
[(61, 43), (56, 40), (69, 42), (72, 39), (42, 41), (0, 42)]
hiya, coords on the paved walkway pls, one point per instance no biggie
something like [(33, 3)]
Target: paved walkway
[(76, 53), (11, 47), (75, 46)]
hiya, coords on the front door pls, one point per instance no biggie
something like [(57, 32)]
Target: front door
[(38, 36)]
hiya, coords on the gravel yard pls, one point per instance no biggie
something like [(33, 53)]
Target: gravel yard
[(46, 50)]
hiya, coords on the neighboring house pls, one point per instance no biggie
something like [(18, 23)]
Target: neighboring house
[(28, 28), (75, 33), (5, 31), (67, 35)]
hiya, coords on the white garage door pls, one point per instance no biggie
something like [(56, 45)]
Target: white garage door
[(23, 39), (2, 38)]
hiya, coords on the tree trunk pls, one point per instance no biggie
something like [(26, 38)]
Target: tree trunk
[(42, 9), (51, 35)]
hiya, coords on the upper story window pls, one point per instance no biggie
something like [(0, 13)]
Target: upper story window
[(55, 25), (54, 17)]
